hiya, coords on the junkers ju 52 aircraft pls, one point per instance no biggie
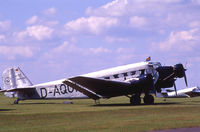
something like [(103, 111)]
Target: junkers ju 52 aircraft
[(128, 80)]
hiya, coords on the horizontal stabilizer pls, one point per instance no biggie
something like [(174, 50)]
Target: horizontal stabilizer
[(17, 89), (3, 91)]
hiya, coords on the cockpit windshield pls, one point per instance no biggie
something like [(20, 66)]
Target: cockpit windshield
[(152, 70), (155, 64)]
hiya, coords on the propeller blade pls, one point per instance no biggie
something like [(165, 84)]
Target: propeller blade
[(175, 88), (185, 80)]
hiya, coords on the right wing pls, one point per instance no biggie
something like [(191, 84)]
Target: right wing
[(83, 90), (96, 88)]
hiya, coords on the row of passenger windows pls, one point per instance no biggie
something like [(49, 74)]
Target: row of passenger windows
[(126, 74)]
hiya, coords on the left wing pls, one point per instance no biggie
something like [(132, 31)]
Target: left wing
[(109, 88)]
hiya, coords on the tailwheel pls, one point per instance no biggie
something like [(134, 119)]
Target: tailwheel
[(135, 99), (16, 101), (148, 99)]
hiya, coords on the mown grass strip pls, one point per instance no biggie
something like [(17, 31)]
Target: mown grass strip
[(112, 115)]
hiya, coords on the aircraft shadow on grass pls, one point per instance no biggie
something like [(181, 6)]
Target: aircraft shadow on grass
[(36, 103), (191, 103), (6, 109), (126, 104)]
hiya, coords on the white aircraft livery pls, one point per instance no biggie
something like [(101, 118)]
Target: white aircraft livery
[(128, 80)]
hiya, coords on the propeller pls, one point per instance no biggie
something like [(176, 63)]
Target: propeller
[(178, 71), (183, 70), (185, 78), (175, 88)]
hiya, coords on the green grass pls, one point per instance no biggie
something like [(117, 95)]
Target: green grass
[(113, 115)]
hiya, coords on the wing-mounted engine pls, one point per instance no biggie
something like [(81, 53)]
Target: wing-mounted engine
[(168, 76)]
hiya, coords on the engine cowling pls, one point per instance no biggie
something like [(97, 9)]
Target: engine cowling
[(169, 74)]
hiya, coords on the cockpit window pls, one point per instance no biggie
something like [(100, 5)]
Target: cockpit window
[(156, 64)]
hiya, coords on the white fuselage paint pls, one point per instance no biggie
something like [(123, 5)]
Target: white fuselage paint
[(57, 90)]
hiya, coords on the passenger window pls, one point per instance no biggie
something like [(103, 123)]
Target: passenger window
[(107, 78), (116, 76), (125, 74), (133, 72)]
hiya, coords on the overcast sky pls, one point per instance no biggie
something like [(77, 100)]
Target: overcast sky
[(55, 39)]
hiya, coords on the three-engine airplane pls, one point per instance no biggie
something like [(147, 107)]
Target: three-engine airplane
[(128, 80)]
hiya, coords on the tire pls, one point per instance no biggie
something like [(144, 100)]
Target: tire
[(135, 100), (148, 99)]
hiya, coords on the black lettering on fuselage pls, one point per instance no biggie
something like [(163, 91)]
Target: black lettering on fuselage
[(56, 90), (63, 89), (70, 89), (43, 92)]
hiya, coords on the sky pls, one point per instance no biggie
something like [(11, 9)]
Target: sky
[(53, 39)]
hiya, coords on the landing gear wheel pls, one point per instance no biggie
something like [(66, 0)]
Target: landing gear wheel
[(148, 99), (16, 101), (135, 100)]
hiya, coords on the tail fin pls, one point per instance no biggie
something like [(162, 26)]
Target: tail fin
[(14, 78)]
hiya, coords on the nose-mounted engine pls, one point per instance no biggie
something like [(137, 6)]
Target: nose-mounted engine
[(168, 76)]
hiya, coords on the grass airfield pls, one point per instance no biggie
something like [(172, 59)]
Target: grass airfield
[(113, 115)]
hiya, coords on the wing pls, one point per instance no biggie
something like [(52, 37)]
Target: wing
[(96, 88), (79, 88)]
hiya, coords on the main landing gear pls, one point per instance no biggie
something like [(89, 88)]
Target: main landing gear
[(148, 99), (16, 101), (136, 99)]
